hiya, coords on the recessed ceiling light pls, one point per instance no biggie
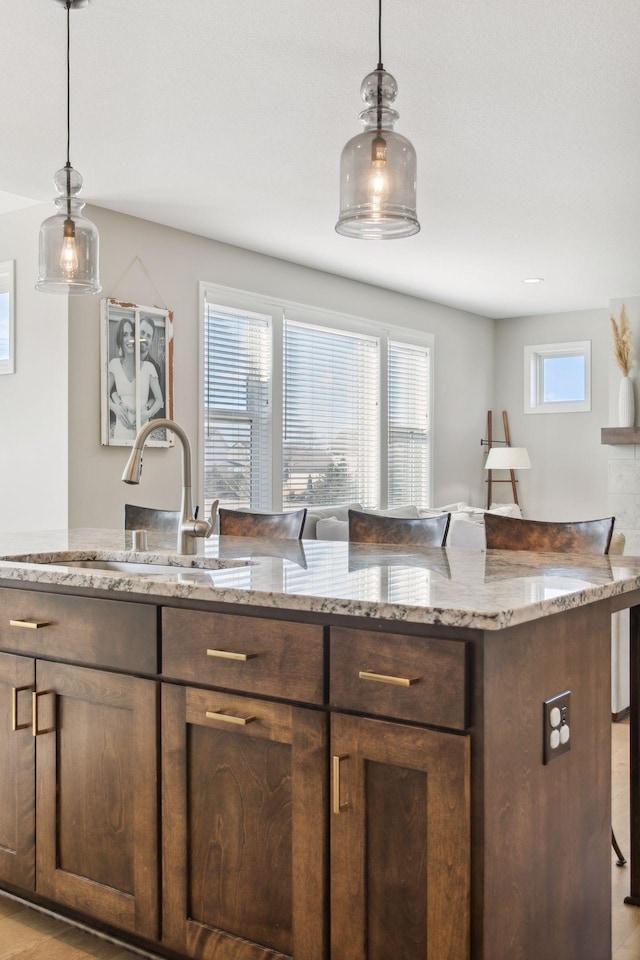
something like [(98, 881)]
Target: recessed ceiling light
[(533, 280)]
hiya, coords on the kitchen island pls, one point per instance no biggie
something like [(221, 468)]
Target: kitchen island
[(315, 750)]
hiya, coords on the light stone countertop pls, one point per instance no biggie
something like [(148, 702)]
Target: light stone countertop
[(451, 586)]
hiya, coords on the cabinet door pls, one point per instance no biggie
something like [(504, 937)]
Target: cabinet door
[(243, 800), (96, 794), (17, 763), (400, 841)]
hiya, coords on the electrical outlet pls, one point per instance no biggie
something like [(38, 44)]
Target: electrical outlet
[(557, 726)]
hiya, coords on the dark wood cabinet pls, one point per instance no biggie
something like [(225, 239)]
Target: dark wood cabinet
[(400, 842), (244, 829), (114, 634), (78, 756), (96, 794), (318, 799), (17, 780)]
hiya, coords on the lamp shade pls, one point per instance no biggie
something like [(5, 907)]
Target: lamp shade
[(507, 458)]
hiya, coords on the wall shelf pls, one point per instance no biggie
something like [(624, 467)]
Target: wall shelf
[(618, 435)]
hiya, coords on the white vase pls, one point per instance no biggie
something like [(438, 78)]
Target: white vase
[(626, 403)]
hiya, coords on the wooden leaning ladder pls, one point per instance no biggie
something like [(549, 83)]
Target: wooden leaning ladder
[(490, 480)]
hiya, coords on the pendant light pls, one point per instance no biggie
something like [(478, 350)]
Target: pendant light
[(378, 166), (68, 241)]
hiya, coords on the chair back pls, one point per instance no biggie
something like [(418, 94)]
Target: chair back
[(586, 536), (277, 526), (423, 531), (147, 518)]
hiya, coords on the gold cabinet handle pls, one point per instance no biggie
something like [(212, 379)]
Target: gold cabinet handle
[(34, 712), (29, 624), (14, 708), (338, 807), (382, 678), (230, 655), (228, 717)]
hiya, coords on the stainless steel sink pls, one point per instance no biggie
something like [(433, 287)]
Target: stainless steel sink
[(138, 569), (192, 571)]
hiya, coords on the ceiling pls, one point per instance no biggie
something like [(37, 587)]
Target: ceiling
[(227, 120)]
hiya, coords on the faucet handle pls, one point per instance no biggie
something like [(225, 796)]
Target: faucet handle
[(212, 518)]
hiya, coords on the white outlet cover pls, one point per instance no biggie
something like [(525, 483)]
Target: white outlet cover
[(565, 733), (554, 739)]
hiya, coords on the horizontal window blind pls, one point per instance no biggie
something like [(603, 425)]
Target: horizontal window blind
[(409, 372), (237, 408), (331, 389)]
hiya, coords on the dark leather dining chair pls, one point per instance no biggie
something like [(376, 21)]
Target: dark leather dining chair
[(373, 528), (278, 526), (159, 521), (539, 536), (147, 518)]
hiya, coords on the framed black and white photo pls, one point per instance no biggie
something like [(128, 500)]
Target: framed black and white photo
[(137, 372), (7, 317)]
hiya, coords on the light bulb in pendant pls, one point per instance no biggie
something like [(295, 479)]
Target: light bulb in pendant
[(69, 253), (379, 177)]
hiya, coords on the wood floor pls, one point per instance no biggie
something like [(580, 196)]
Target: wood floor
[(626, 919), (27, 935)]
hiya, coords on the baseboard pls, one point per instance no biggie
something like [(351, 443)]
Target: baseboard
[(621, 715)]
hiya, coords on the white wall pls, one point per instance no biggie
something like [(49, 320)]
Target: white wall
[(176, 262), (568, 479), (33, 400), (623, 476)]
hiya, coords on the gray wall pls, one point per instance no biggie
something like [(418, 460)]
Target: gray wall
[(175, 262), (568, 479), (33, 400)]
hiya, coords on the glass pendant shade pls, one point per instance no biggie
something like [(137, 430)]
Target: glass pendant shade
[(378, 170), (68, 242)]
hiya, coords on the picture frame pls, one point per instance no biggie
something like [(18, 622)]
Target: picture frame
[(136, 371), (7, 317)]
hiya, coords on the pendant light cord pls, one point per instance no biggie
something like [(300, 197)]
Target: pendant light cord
[(68, 83), (68, 163), (379, 68)]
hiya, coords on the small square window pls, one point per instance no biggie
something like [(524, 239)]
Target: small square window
[(557, 377)]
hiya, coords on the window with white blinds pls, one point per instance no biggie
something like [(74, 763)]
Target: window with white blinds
[(331, 416), (408, 392), (311, 408), (236, 427)]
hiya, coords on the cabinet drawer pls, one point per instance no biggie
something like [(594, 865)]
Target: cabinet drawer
[(270, 657), (410, 678), (108, 633)]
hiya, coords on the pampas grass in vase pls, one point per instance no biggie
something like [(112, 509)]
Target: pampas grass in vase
[(623, 353)]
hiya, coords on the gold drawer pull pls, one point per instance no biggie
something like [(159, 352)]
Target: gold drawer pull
[(337, 806), (228, 717), (29, 624), (14, 708), (230, 655), (34, 712), (381, 678)]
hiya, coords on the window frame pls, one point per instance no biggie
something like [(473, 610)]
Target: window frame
[(534, 357), (8, 285), (278, 308)]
